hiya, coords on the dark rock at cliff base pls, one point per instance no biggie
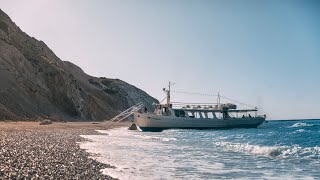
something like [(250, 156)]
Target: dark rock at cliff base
[(133, 126), (35, 83)]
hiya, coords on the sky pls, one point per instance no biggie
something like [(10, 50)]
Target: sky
[(264, 53)]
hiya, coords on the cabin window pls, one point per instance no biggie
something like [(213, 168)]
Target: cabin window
[(210, 115), (197, 115), (204, 114), (213, 115), (179, 113), (165, 111), (218, 115), (182, 114), (190, 114)]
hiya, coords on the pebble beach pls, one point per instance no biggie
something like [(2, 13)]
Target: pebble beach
[(32, 151)]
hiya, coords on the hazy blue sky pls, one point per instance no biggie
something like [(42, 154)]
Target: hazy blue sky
[(264, 53)]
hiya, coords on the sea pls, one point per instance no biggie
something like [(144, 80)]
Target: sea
[(275, 150)]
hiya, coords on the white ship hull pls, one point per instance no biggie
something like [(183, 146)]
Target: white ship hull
[(153, 122)]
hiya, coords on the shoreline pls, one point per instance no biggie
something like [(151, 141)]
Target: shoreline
[(29, 150)]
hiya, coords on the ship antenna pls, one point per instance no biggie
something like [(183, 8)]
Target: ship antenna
[(218, 99)]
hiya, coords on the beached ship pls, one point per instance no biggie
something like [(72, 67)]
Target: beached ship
[(196, 116)]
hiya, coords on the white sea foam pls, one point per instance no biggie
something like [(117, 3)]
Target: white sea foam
[(154, 137), (137, 156), (123, 132), (301, 130), (190, 155), (272, 151), (300, 124)]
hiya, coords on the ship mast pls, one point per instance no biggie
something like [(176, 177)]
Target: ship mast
[(168, 94), (218, 99)]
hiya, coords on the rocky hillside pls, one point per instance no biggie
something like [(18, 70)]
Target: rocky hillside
[(34, 83)]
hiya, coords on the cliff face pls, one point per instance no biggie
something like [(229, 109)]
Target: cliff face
[(34, 82)]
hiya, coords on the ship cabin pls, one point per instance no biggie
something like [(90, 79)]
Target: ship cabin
[(222, 111)]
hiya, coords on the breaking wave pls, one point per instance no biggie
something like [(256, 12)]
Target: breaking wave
[(300, 131), (300, 124), (276, 150), (273, 151), (124, 132)]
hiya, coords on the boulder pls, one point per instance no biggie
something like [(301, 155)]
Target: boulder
[(133, 126), (46, 122)]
